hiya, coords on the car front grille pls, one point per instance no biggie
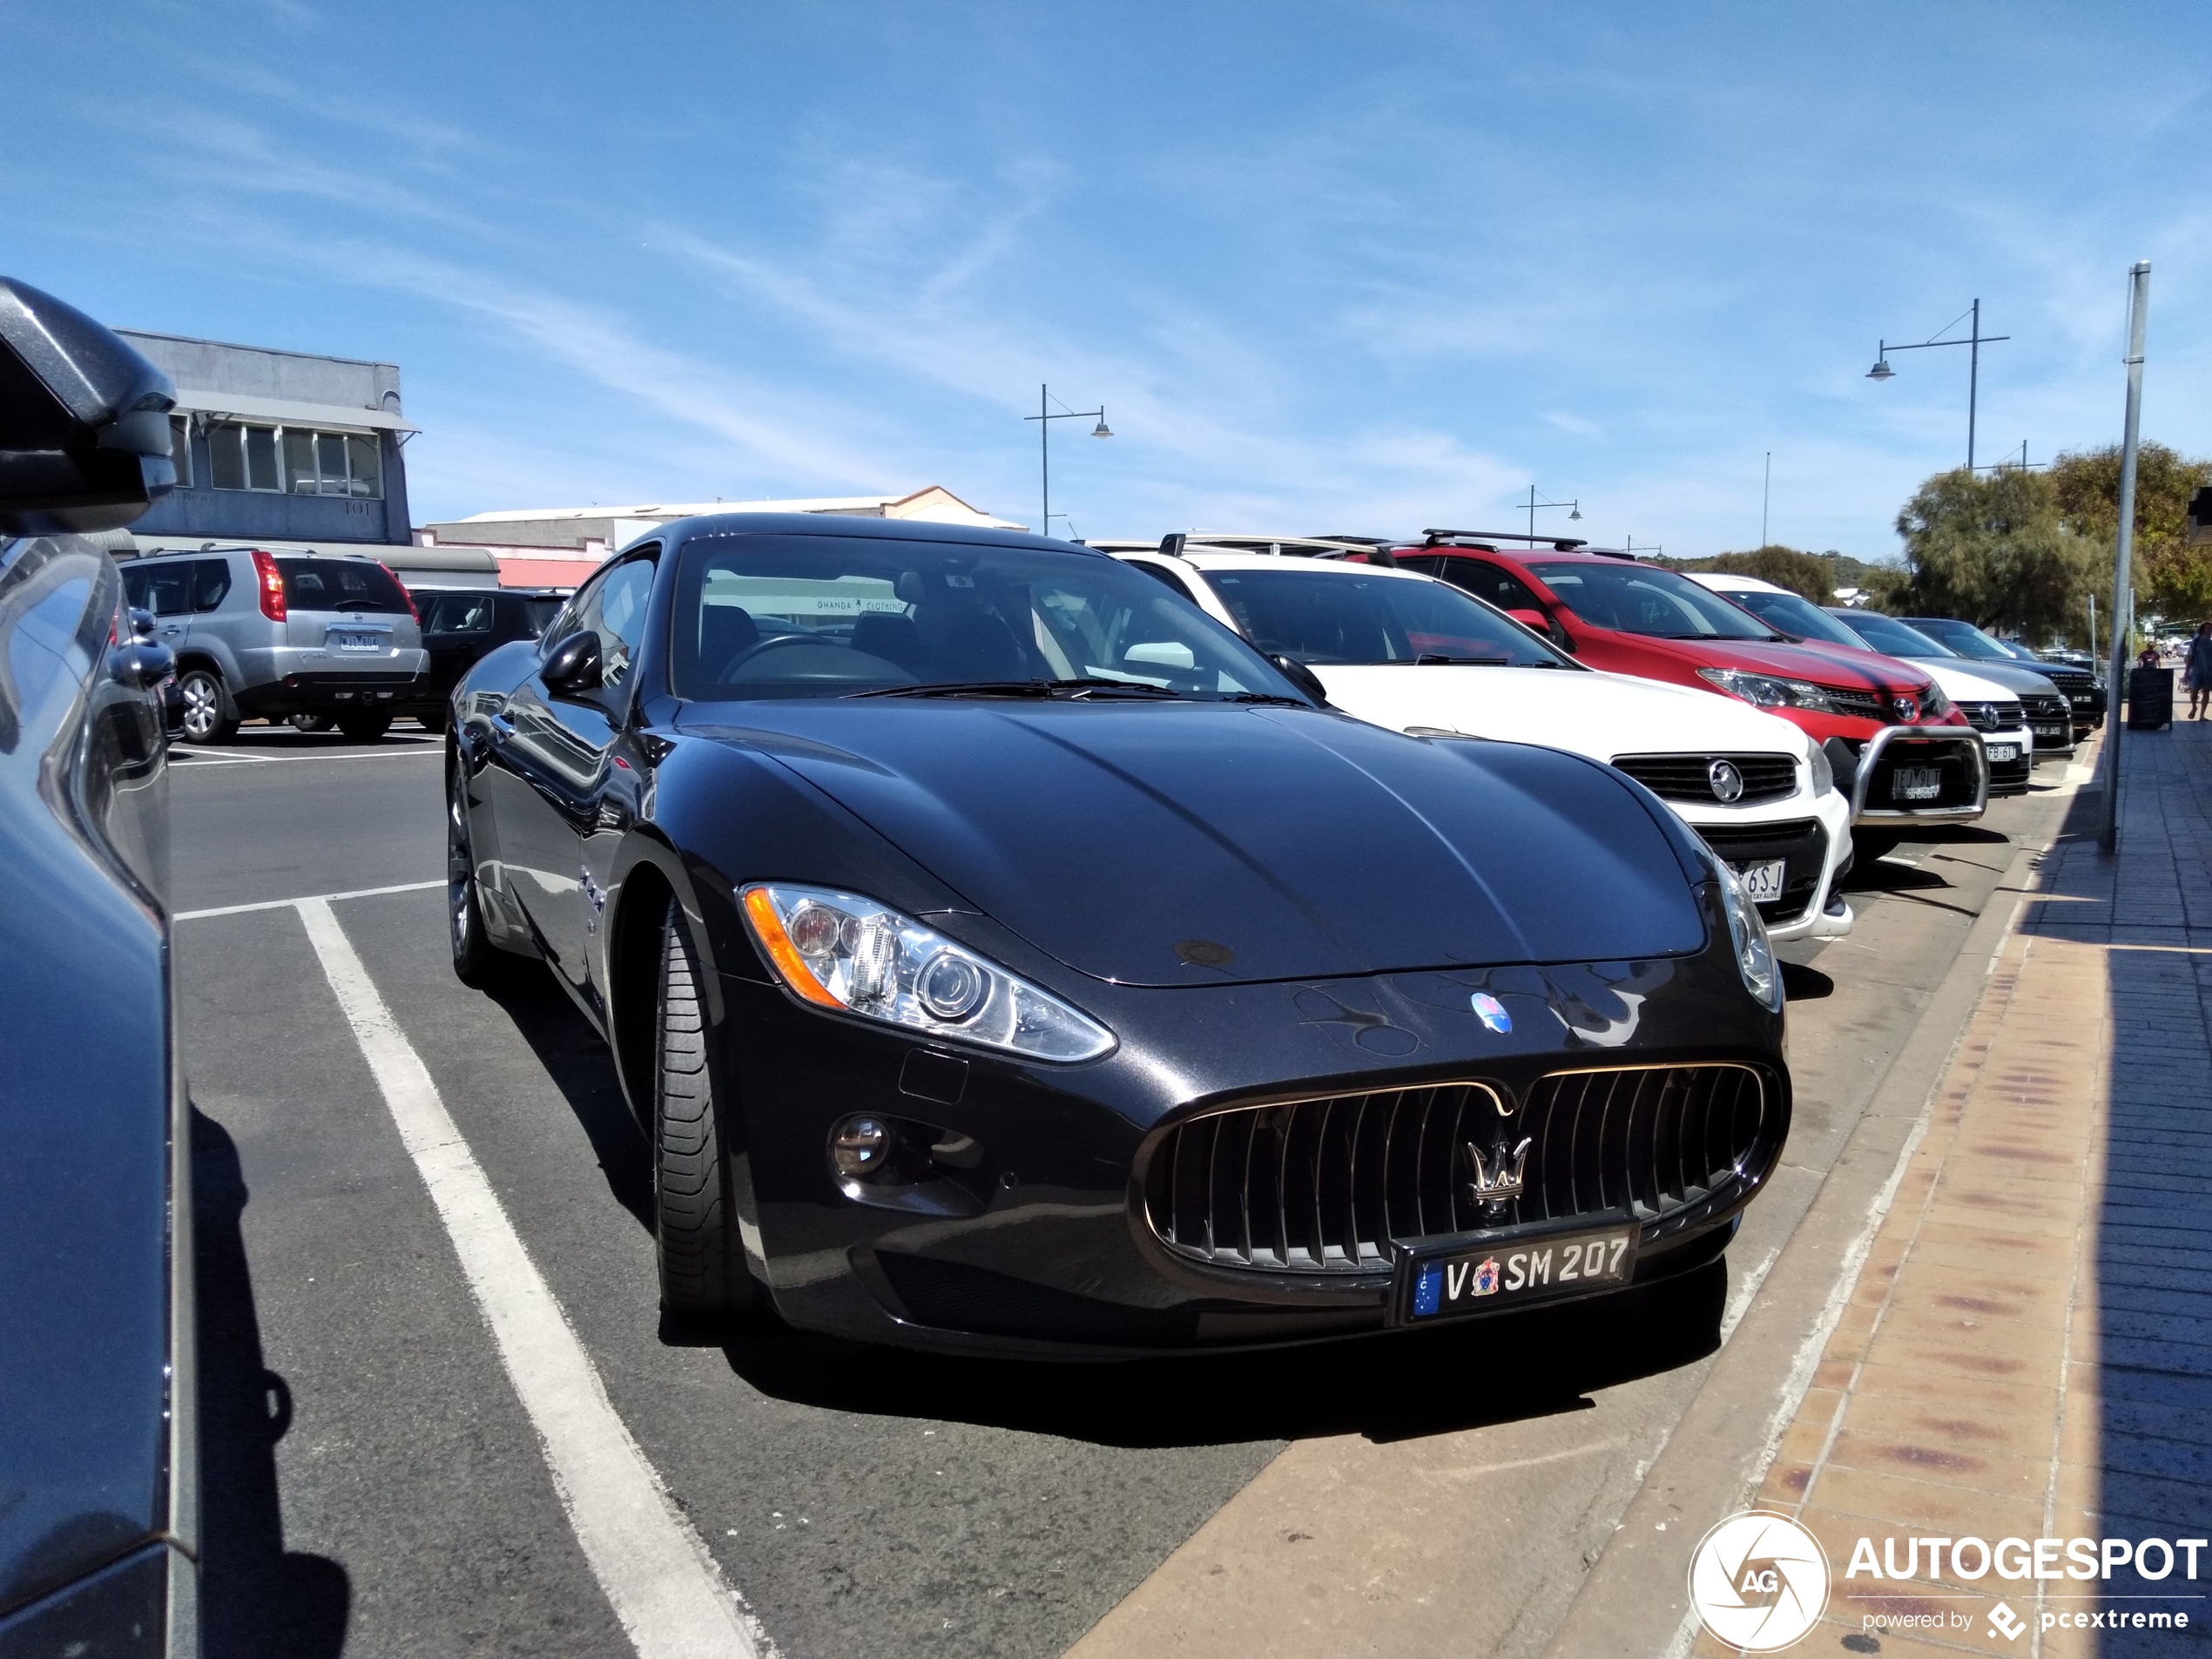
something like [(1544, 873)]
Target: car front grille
[(1954, 776), (1861, 705), (1327, 1186), (1689, 777), (1801, 843), (1992, 717)]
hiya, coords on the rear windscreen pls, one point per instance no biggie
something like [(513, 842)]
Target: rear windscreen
[(340, 585)]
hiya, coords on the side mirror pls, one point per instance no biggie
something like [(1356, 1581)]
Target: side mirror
[(573, 667), (1302, 677), (141, 664), (141, 623), (1535, 619), (84, 421)]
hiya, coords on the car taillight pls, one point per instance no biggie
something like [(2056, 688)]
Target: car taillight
[(404, 594), (269, 582)]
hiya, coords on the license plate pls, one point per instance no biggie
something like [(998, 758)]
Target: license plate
[(2004, 752), (1762, 882), (1918, 782), (356, 642), (1486, 1279), (2051, 732)]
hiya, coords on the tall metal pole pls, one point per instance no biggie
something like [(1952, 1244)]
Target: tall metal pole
[(2138, 310), (1974, 383), (1532, 512), (1044, 456), (1766, 492)]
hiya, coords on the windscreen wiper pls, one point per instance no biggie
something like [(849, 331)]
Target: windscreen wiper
[(1428, 658), (1083, 687)]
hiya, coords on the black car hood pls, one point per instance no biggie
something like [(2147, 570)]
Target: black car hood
[(1167, 844)]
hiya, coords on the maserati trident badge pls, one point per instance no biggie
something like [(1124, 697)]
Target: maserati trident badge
[(1726, 782), (1497, 1173), (1492, 1011)]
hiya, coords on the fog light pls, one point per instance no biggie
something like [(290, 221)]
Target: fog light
[(859, 1147)]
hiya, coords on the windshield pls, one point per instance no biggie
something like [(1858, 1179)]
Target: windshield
[(1643, 599), (1891, 636), (1964, 638), (836, 615), (340, 585), (1335, 616), (1794, 614)]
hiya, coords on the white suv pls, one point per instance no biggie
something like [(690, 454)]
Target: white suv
[(1419, 656)]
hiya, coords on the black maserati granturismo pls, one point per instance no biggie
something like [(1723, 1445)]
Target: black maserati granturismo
[(1000, 954)]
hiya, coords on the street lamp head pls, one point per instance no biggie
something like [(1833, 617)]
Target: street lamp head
[(1577, 513), (1102, 430), (1881, 371)]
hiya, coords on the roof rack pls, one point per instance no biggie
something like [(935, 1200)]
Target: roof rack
[(1561, 543), (1615, 553)]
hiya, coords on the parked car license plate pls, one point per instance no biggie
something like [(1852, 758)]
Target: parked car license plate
[(2004, 752), (1918, 782), (2057, 732), (341, 641), (1486, 1279), (1762, 882)]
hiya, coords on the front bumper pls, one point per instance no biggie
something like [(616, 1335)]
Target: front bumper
[(1813, 835), (2010, 777), (1016, 1219), (1880, 797)]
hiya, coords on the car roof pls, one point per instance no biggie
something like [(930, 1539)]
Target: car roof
[(1207, 558), (1732, 582), (1526, 554), (1265, 542)]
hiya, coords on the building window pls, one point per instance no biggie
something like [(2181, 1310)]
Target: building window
[(314, 463), (243, 457), (180, 449), (333, 463)]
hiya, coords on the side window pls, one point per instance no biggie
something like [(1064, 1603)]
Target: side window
[(1168, 579), (134, 588), (1487, 581), (169, 589), (460, 613), (613, 609), (210, 580), (1425, 564)]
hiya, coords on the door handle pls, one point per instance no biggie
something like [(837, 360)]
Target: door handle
[(499, 727)]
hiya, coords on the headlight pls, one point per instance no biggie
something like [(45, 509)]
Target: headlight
[(1747, 934), (838, 950), (1768, 691), (1934, 706), (1822, 774)]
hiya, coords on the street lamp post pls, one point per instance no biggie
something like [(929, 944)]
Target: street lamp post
[(1974, 341), (2123, 592), (1044, 417), (1533, 503)]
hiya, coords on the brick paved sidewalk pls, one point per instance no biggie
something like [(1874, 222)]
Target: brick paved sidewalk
[(2028, 1349)]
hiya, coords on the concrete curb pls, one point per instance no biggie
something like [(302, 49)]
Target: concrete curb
[(1709, 1467)]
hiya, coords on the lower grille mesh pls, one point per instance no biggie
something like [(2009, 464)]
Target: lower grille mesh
[(1325, 1186)]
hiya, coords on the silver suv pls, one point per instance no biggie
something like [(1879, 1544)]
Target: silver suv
[(275, 634)]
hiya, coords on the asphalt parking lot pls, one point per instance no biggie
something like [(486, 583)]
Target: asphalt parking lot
[(376, 1482)]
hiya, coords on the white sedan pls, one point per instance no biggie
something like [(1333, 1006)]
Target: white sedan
[(1419, 655)]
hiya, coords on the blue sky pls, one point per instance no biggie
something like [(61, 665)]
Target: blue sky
[(1344, 266)]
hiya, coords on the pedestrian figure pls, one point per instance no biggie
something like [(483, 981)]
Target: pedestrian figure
[(2197, 670)]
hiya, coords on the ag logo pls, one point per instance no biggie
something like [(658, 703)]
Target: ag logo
[(1759, 1581)]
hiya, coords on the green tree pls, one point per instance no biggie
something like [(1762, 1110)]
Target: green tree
[(2172, 579), (1803, 573), (1994, 550)]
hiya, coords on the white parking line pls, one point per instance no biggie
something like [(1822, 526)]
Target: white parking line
[(665, 1588), (202, 762), (287, 904)]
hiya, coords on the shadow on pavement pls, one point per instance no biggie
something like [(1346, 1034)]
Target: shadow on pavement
[(1803, 984), (582, 1067), (2151, 909), (1392, 1387), (256, 1597)]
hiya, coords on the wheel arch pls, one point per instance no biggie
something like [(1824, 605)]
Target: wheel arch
[(648, 875)]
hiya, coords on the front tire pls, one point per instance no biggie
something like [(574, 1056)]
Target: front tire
[(208, 716), (703, 1272), (476, 961)]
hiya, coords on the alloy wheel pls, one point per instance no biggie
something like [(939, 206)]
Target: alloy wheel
[(203, 706)]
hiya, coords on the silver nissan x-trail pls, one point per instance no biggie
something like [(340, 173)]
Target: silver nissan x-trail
[(275, 634)]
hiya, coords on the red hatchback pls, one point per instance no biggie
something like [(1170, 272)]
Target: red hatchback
[(1618, 614)]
